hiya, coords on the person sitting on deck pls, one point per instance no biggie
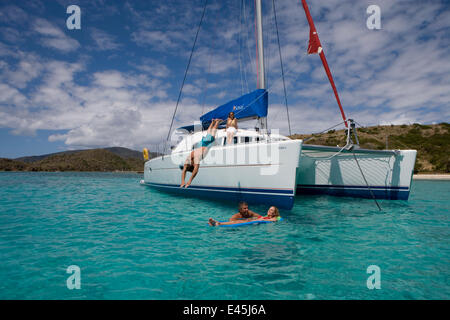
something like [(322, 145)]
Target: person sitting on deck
[(231, 127), (273, 214), (192, 162)]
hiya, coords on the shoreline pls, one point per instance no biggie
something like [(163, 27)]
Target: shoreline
[(431, 176), (423, 176)]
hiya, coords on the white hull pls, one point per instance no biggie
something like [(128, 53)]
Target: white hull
[(325, 170), (257, 172)]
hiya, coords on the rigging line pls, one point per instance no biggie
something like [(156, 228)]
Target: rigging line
[(187, 68), (269, 89), (281, 62), (367, 184), (205, 88), (250, 56), (267, 47), (315, 134), (257, 57), (324, 158), (240, 51)]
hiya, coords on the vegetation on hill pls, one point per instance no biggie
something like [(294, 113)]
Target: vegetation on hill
[(82, 160), (12, 165), (120, 151), (432, 142)]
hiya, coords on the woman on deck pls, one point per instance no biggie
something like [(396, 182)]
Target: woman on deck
[(231, 127)]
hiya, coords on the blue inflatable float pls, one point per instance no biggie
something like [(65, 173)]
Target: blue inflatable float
[(247, 223)]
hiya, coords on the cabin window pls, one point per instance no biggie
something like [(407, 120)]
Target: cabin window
[(235, 140), (246, 139), (258, 139)]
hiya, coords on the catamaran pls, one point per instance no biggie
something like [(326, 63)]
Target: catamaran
[(262, 166)]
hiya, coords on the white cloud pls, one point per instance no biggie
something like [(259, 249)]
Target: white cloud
[(103, 40), (399, 74), (53, 37), (158, 40)]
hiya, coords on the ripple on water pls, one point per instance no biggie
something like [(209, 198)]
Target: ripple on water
[(132, 242)]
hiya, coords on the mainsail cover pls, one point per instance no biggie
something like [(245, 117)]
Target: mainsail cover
[(250, 105)]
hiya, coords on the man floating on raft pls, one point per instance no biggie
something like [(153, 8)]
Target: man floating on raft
[(246, 215)]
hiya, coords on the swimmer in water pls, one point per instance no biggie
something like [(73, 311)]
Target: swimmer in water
[(273, 214)]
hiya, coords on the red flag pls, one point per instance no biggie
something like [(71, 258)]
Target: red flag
[(314, 45)]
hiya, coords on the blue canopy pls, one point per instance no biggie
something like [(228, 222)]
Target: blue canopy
[(250, 105)]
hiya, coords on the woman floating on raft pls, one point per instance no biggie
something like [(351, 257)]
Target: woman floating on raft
[(272, 215)]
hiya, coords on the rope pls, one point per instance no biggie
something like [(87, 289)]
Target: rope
[(186, 71), (281, 62), (273, 85), (323, 158), (239, 44), (246, 23), (367, 184), (205, 87), (257, 57), (315, 134)]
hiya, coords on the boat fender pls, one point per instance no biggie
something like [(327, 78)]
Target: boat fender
[(145, 154)]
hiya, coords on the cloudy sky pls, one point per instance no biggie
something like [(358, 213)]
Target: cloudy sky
[(115, 81)]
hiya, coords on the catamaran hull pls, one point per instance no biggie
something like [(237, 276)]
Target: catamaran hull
[(258, 173), (332, 171)]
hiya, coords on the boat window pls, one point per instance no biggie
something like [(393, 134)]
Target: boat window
[(246, 139), (235, 140)]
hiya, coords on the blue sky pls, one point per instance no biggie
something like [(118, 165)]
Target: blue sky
[(115, 81)]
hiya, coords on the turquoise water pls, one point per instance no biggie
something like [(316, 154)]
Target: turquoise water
[(132, 242)]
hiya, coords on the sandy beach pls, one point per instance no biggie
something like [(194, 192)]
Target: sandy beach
[(431, 177)]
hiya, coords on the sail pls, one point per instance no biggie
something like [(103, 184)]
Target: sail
[(250, 105), (314, 46)]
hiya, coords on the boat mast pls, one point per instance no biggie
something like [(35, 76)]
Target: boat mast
[(262, 122)]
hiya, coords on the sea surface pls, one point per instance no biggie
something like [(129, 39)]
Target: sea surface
[(132, 242)]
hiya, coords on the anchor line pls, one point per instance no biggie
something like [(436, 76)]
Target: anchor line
[(367, 184)]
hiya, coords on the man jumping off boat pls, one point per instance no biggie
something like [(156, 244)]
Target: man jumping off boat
[(192, 162)]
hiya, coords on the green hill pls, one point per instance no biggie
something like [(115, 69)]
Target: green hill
[(432, 142), (120, 151), (108, 159), (12, 165)]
